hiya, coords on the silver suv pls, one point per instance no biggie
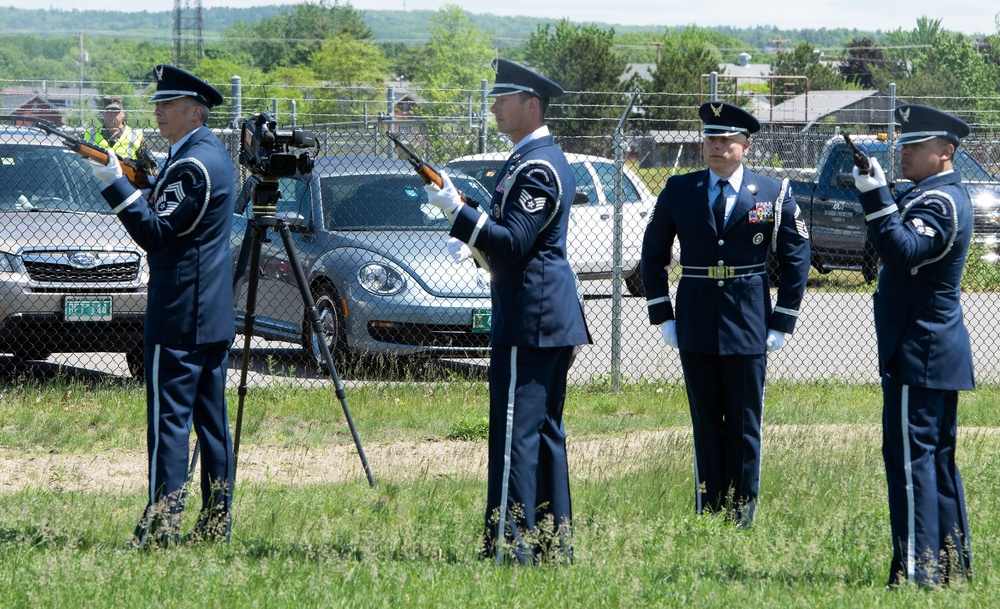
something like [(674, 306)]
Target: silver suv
[(71, 278)]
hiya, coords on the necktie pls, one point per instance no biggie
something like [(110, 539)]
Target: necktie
[(719, 206)]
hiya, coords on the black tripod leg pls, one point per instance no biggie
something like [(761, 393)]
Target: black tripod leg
[(257, 234), (314, 320)]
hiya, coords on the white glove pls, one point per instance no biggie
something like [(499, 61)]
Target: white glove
[(445, 198), (775, 340), (107, 173), (458, 250), (874, 179), (669, 332)]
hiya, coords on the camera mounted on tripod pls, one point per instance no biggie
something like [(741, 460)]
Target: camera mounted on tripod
[(270, 153)]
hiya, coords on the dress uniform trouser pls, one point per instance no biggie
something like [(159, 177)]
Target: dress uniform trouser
[(726, 397), (185, 384), (930, 531), (528, 476)]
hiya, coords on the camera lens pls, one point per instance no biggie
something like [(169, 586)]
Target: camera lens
[(282, 164)]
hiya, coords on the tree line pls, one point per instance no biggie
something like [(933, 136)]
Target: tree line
[(326, 57)]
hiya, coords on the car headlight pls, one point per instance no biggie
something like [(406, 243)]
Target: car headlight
[(985, 200), (6, 262), (381, 279)]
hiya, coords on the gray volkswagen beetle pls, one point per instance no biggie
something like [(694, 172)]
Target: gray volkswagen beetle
[(373, 252)]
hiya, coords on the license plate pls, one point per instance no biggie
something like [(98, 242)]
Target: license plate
[(481, 320), (91, 308)]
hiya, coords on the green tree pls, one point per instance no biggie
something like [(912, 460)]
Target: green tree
[(865, 57), (457, 59), (256, 89), (673, 94), (347, 64), (582, 59), (946, 70), (290, 38)]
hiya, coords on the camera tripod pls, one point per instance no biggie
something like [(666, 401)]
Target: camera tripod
[(264, 197)]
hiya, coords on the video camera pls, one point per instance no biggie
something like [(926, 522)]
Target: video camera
[(264, 149), (266, 152)]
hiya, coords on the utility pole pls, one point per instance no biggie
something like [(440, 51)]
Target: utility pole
[(657, 44), (81, 78), (777, 43)]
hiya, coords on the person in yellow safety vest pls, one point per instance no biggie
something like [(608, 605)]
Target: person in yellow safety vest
[(126, 142)]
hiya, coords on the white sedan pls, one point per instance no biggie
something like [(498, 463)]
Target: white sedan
[(590, 242)]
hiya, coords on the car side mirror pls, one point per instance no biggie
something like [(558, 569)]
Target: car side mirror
[(844, 180), (292, 219), (581, 198)]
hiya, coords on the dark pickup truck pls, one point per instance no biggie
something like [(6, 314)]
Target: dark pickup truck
[(829, 203)]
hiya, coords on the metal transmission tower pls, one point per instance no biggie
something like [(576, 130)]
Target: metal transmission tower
[(188, 42)]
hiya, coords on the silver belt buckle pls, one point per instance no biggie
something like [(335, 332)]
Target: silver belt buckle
[(721, 272)]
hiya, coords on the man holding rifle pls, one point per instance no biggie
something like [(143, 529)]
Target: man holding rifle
[(924, 353), (185, 228), (537, 321)]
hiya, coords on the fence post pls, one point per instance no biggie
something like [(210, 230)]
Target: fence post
[(616, 255), (482, 115), (713, 86), (236, 97), (891, 132)]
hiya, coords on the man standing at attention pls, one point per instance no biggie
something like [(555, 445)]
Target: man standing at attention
[(185, 229), (924, 352), (537, 320), (727, 219)]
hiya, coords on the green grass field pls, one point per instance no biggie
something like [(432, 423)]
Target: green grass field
[(820, 540)]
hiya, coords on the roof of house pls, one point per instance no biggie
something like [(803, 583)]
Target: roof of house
[(810, 107)]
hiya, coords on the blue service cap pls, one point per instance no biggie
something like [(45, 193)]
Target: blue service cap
[(722, 118), (173, 83), (921, 123), (515, 78)]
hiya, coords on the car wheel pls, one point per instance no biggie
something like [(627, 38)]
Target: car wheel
[(136, 364), (27, 354), (331, 322), (633, 283), (871, 264)]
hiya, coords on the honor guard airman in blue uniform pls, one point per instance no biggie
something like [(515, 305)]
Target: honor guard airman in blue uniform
[(728, 219), (537, 321), (184, 226), (924, 352)]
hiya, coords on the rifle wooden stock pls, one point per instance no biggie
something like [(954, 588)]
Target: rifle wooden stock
[(130, 169), (431, 176)]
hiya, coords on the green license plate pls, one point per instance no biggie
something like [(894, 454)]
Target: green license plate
[(90, 308), (481, 320)]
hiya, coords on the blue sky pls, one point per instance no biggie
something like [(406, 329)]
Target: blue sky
[(969, 16)]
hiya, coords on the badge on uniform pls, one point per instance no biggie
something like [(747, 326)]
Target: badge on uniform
[(762, 211), (922, 229), (531, 204), (170, 197)]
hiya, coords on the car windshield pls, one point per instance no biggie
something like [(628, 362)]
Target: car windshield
[(384, 202), (485, 171), (49, 179)]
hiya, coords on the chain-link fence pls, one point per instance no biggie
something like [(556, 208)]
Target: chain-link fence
[(72, 282)]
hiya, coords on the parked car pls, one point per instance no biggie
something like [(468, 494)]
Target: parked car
[(71, 278), (590, 240), (373, 251)]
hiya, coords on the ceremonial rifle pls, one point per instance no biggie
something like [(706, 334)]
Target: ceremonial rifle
[(138, 176), (431, 176)]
